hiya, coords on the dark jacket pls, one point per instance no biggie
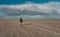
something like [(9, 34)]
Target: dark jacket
[(21, 20)]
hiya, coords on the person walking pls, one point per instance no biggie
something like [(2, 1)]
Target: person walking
[(21, 21)]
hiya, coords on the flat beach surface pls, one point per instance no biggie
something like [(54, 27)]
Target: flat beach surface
[(30, 28)]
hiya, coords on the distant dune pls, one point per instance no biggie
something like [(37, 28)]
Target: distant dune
[(30, 28)]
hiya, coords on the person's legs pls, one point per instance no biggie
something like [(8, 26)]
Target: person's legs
[(21, 24)]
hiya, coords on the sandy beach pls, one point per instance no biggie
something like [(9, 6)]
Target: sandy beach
[(30, 28)]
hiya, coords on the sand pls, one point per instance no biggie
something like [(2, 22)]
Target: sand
[(30, 28)]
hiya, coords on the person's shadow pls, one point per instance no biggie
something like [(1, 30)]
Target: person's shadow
[(28, 24), (22, 24)]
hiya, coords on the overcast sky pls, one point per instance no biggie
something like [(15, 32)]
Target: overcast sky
[(30, 8)]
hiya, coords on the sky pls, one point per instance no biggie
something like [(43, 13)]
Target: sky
[(23, 1), (30, 9)]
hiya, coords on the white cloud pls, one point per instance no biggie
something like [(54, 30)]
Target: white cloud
[(51, 7), (46, 7)]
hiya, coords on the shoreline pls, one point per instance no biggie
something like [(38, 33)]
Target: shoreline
[(34, 18)]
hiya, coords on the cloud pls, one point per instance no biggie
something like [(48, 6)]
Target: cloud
[(29, 8)]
